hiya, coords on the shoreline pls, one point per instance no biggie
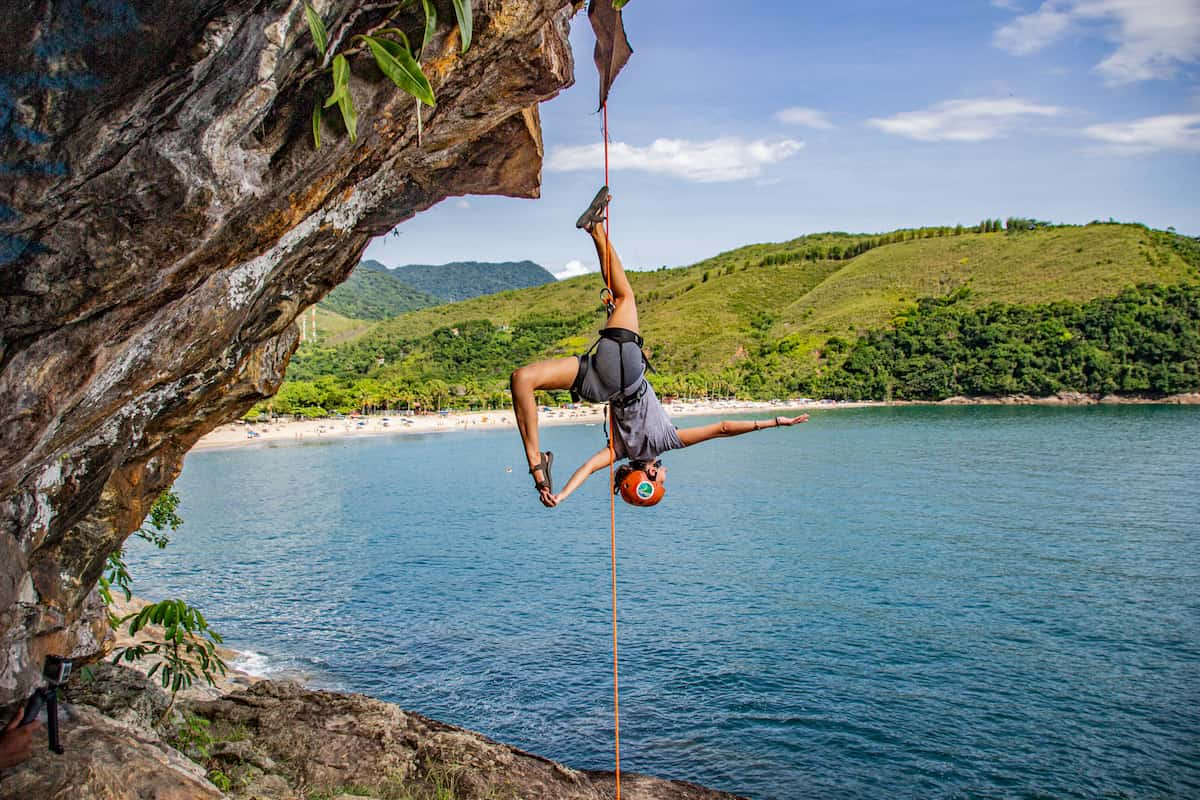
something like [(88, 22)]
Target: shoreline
[(240, 434)]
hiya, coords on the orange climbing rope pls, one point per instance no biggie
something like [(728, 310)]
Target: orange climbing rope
[(612, 497)]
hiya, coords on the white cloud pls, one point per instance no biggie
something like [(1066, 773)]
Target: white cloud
[(463, 203), (1149, 134), (808, 117), (1032, 32), (1153, 37), (572, 269), (713, 161), (963, 120)]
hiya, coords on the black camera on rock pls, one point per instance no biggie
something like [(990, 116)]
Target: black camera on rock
[(56, 671)]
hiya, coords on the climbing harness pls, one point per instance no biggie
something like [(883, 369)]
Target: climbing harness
[(620, 398)]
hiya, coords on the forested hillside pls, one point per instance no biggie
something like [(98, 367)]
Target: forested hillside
[(818, 316), (374, 292), (463, 280)]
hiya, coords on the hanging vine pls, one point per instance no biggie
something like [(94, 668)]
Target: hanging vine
[(393, 54)]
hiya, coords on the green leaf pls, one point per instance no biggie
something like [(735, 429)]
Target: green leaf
[(316, 123), (430, 23), (317, 28), (394, 32), (396, 62), (341, 80), (619, 4), (462, 10), (346, 106)]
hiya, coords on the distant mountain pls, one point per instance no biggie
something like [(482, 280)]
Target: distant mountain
[(374, 292), (374, 266), (463, 280)]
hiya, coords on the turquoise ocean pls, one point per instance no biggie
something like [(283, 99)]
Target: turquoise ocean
[(894, 602)]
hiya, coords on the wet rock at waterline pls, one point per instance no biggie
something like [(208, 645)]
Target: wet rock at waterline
[(279, 741)]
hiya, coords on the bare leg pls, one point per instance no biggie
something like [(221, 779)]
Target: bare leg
[(611, 269), (555, 373)]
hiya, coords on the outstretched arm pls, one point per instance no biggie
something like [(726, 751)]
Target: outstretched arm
[(593, 464), (734, 427)]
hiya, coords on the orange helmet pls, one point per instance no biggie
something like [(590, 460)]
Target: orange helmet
[(637, 489)]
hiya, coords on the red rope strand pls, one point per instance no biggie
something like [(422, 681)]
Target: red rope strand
[(612, 495)]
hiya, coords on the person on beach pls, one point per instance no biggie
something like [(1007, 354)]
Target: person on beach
[(613, 371)]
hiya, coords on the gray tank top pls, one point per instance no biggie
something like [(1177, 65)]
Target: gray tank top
[(642, 429)]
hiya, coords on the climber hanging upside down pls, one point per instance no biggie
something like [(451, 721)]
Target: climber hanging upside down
[(614, 372)]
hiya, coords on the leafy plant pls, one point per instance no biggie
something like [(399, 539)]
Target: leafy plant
[(193, 736), (219, 779), (393, 55), (194, 739), (187, 647)]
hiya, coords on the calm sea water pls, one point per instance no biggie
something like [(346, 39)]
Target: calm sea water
[(917, 602)]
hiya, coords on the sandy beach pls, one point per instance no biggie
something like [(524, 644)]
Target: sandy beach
[(238, 434)]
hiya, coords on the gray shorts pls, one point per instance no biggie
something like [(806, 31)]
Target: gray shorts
[(599, 376)]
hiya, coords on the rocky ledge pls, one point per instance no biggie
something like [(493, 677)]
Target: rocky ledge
[(279, 741)]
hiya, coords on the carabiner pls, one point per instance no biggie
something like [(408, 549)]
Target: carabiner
[(606, 297)]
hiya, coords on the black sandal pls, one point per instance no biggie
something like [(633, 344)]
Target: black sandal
[(547, 459), (594, 214)]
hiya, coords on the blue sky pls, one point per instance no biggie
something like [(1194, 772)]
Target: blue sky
[(737, 123)]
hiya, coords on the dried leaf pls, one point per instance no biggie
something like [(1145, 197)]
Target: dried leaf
[(612, 47)]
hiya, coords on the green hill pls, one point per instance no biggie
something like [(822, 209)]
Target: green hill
[(767, 319), (462, 280), (374, 292), (333, 328)]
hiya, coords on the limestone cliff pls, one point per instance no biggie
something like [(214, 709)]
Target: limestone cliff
[(165, 217)]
